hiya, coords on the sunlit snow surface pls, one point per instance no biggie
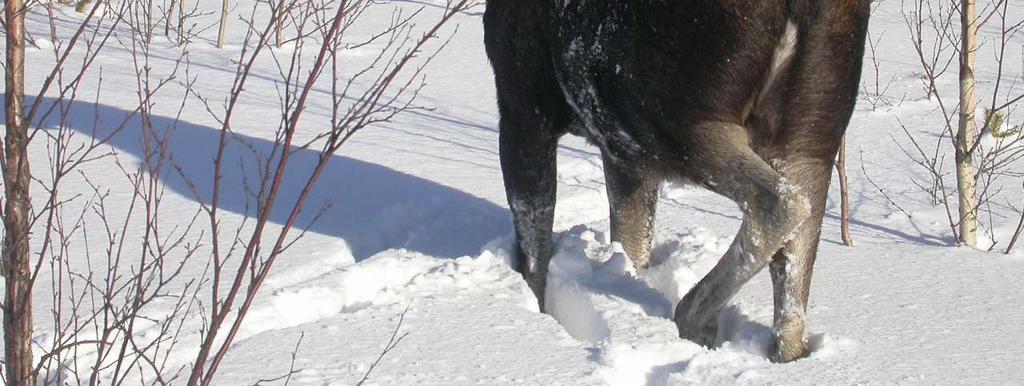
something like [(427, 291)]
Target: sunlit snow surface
[(418, 222)]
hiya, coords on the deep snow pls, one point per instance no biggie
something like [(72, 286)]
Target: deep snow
[(418, 222)]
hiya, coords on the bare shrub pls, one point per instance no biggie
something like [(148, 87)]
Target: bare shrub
[(121, 301), (981, 158)]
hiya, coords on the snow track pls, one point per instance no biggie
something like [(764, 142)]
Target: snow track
[(615, 321), (625, 316)]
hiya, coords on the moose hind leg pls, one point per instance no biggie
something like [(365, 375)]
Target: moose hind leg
[(791, 278), (773, 209), (633, 196), (824, 90), (791, 268)]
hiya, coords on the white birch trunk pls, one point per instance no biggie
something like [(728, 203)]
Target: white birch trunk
[(967, 129), (223, 24)]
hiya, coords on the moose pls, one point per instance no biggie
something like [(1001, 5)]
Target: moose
[(749, 99)]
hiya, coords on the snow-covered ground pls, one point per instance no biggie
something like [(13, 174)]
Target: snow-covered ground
[(418, 225)]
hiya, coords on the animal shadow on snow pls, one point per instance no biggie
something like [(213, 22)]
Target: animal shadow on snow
[(371, 207)]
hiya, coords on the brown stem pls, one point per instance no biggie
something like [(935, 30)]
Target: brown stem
[(17, 207), (1016, 234), (844, 193)]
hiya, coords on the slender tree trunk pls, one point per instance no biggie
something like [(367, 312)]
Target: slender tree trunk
[(223, 24), (170, 16), (844, 193), (149, 21), (181, 22), (17, 207), (278, 40), (967, 129)]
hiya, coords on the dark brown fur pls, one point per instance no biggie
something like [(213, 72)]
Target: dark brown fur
[(685, 90)]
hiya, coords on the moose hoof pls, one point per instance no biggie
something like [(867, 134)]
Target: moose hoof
[(538, 285), (789, 351), (790, 341), (703, 335)]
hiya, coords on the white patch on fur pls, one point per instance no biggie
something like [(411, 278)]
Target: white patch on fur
[(780, 60)]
